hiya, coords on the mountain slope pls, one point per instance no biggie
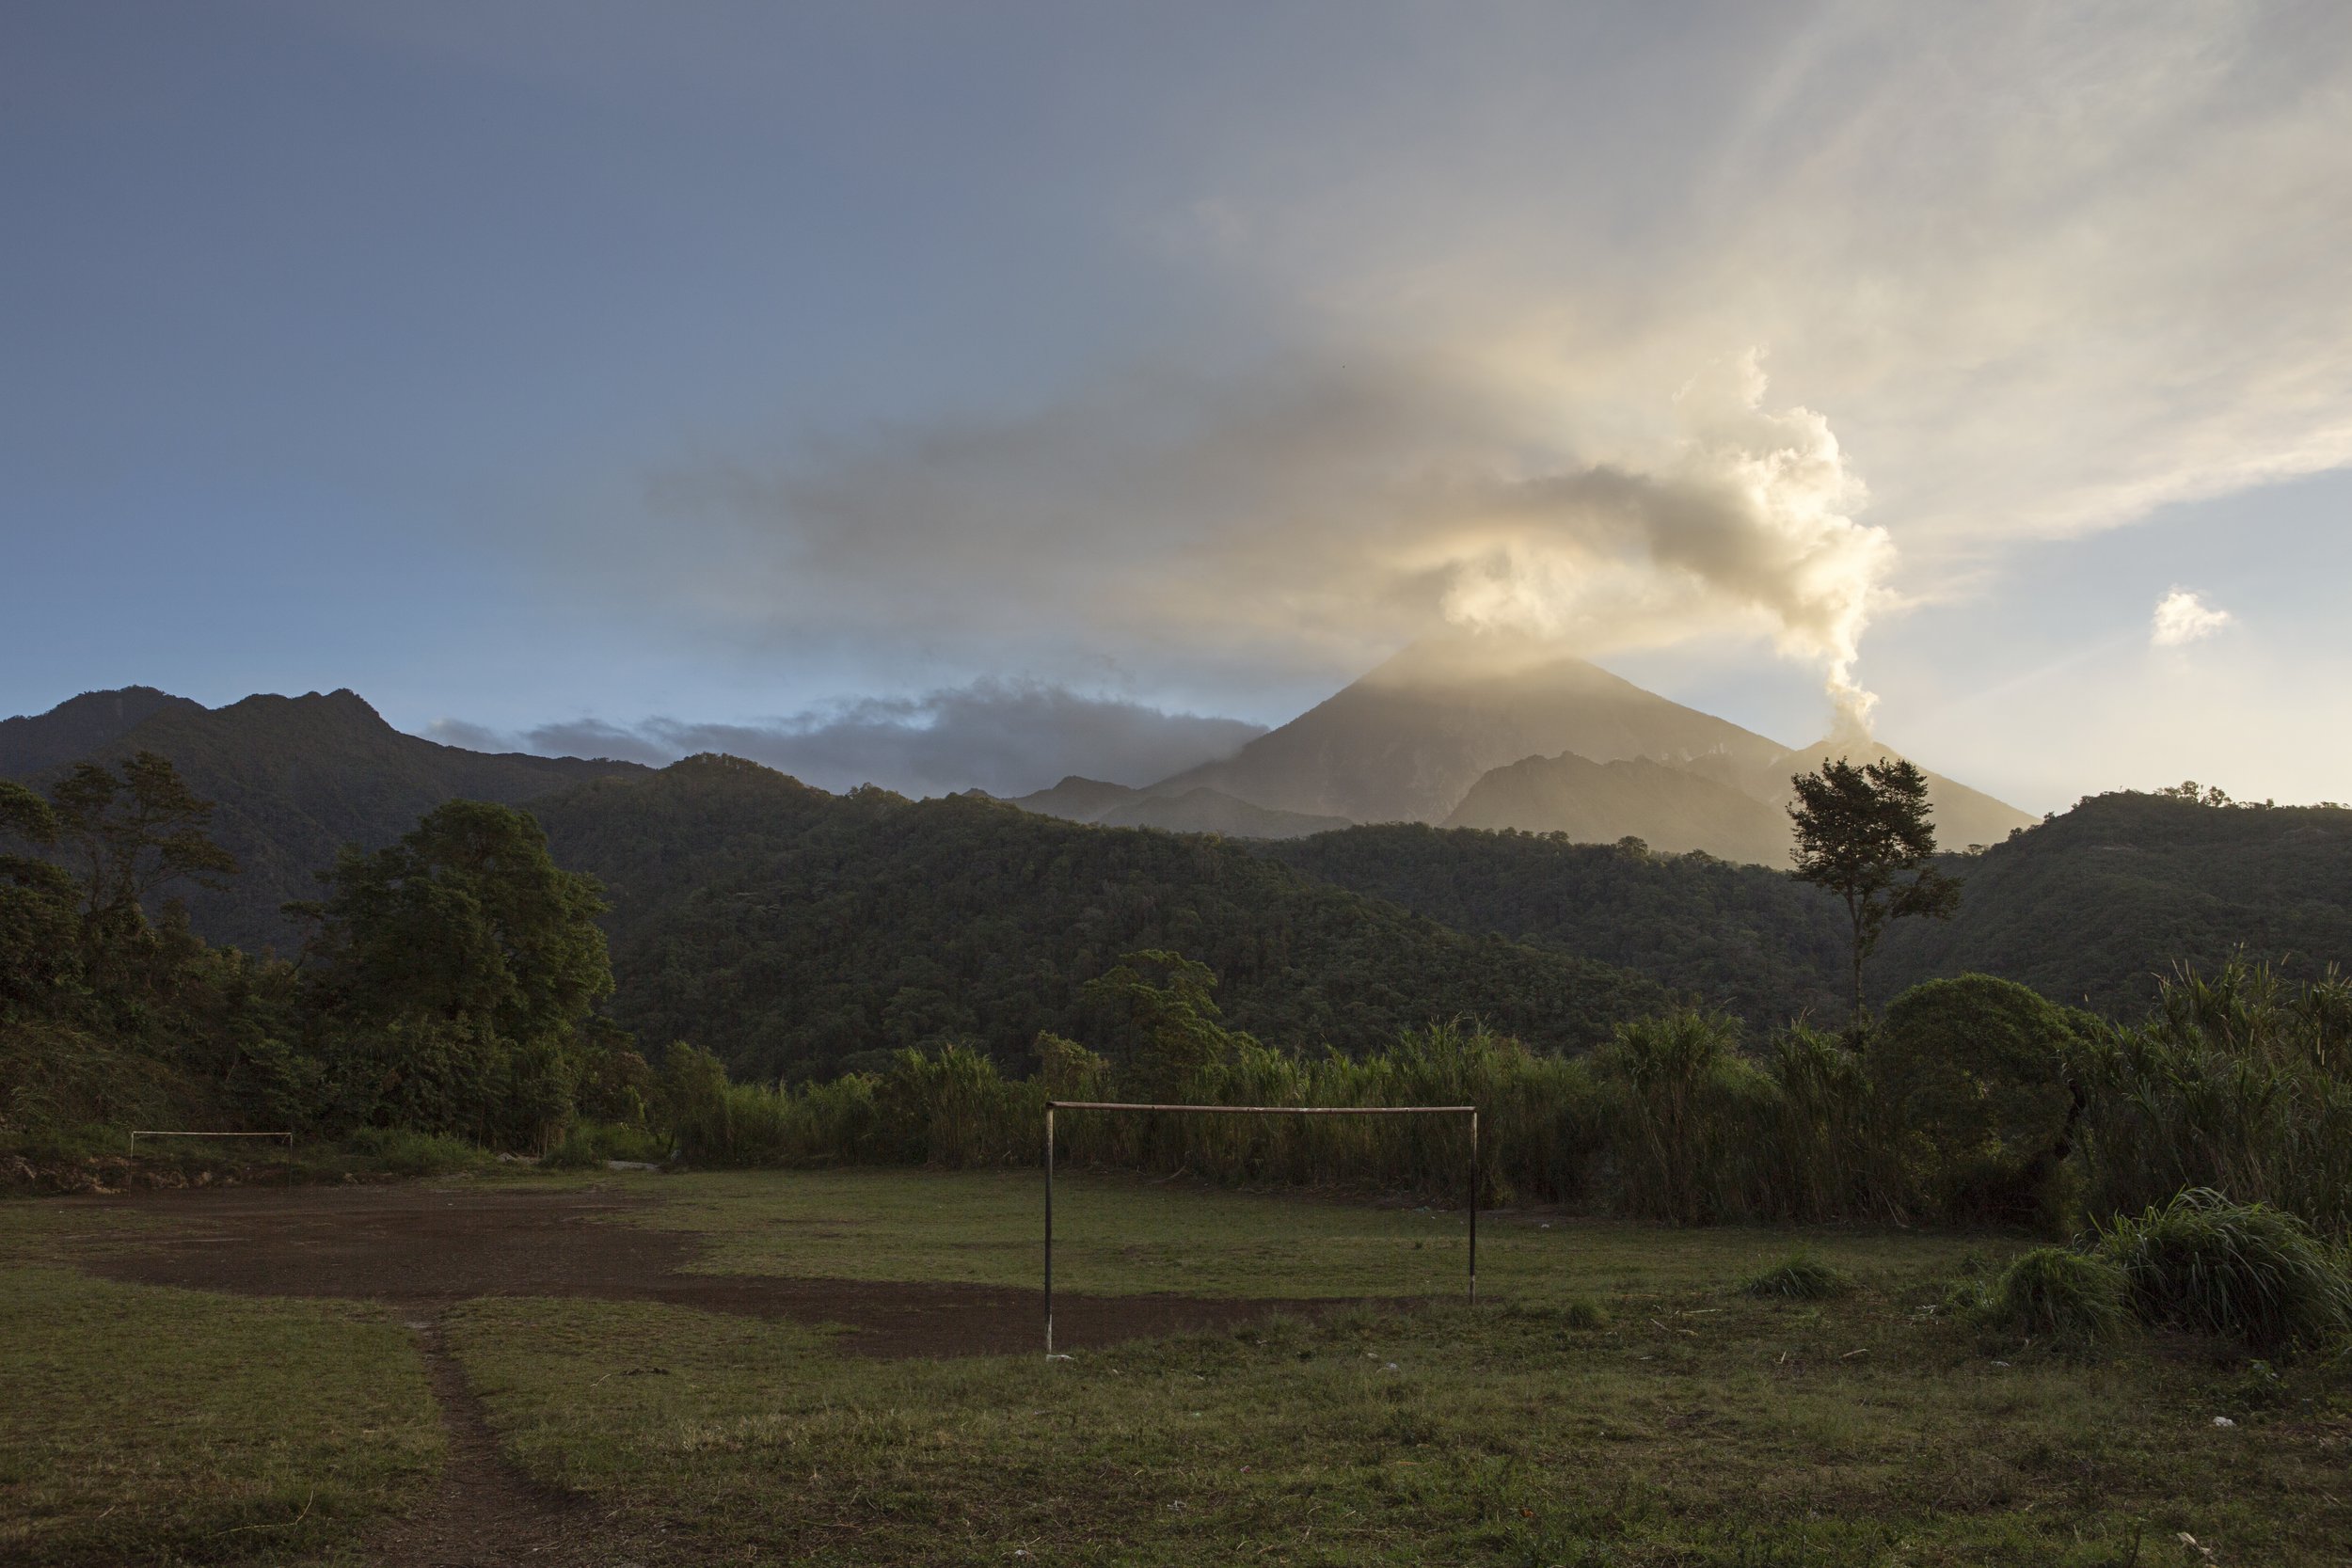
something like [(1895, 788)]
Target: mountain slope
[(1597, 802), (1750, 942), (1964, 816), (79, 727), (1212, 811), (1077, 799), (1191, 811), (2092, 906), (790, 930), (2087, 907), (1406, 742), (293, 780)]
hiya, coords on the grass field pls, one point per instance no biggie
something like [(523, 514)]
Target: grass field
[(153, 1425), (1617, 1401)]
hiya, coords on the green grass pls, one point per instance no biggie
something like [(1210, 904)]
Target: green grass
[(1617, 1400), (1798, 1277), (1127, 1236), (148, 1425), (1720, 1430)]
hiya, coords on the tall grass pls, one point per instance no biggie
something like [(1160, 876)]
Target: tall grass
[(2234, 1083), (2238, 1083), (1671, 1121), (2240, 1270)]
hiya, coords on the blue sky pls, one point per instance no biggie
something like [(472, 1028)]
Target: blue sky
[(1017, 374)]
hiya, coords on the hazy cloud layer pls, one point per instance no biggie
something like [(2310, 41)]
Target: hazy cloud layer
[(1008, 737), (2032, 271)]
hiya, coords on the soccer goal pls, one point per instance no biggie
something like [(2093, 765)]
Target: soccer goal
[(1116, 1106), (143, 1132)]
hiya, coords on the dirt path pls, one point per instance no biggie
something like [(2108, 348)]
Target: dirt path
[(426, 1248), (487, 1513), (431, 1247)]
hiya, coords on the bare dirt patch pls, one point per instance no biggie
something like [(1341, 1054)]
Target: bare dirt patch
[(485, 1512), (428, 1248)]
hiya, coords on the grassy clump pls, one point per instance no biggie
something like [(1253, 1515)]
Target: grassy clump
[(2244, 1272), (1800, 1277), (2070, 1300), (590, 1144), (405, 1153)]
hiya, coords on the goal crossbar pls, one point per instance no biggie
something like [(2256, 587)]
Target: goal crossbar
[(144, 1133), (1053, 1105)]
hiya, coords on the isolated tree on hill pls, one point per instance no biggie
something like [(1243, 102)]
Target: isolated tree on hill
[(1865, 833)]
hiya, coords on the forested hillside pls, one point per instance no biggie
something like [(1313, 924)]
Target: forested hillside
[(1741, 938), (293, 779), (789, 930), (2088, 909)]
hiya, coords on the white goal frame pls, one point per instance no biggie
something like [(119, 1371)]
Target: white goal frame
[(1053, 1105), (145, 1133)]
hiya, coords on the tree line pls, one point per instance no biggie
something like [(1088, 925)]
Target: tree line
[(449, 986)]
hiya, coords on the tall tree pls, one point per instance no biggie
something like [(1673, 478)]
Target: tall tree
[(459, 968), (132, 831), (37, 917), (1865, 833)]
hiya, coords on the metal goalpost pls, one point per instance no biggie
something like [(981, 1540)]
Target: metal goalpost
[(144, 1133), (1053, 1105)]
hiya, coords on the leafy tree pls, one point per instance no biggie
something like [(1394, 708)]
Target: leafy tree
[(1975, 1074), (459, 968), (132, 831), (37, 918), (1865, 835), (1172, 1028)]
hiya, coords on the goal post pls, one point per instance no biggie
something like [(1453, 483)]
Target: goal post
[(144, 1133), (1114, 1105)]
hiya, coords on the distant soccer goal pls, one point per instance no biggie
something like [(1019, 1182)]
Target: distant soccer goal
[(144, 1133), (1053, 1105)]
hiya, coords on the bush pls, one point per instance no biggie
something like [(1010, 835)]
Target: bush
[(2244, 1272), (1973, 1073), (1800, 1277), (409, 1153), (590, 1144), (2236, 1082), (2066, 1299)]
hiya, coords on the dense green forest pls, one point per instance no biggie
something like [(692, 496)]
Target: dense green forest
[(793, 932), (868, 979), (1746, 940), (2092, 908)]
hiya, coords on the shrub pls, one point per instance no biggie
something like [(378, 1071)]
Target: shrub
[(1800, 1277), (2067, 1299), (590, 1144), (2235, 1081), (1973, 1073), (406, 1152), (2244, 1272)]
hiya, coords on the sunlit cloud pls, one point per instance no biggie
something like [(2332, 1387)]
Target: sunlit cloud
[(2182, 617)]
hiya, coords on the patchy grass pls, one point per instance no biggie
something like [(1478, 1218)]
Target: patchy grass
[(1122, 1235), (1618, 1401), (1715, 1431), (148, 1425), (1800, 1277)]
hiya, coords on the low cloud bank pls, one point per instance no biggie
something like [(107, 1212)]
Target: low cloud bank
[(1008, 737)]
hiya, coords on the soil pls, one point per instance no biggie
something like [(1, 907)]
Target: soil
[(428, 1248), (425, 1248)]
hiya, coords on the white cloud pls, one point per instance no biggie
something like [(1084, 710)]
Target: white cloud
[(2182, 617), (1008, 737)]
